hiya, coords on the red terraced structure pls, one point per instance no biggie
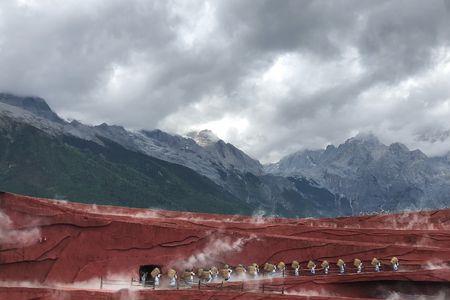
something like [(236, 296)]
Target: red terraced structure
[(64, 247)]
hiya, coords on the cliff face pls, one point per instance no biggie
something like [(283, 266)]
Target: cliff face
[(48, 242), (372, 175)]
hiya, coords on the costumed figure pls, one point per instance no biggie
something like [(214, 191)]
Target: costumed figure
[(395, 264), (214, 273), (281, 267), (188, 276), (270, 269), (358, 265), (240, 271), (156, 274), (376, 264), (341, 265), (225, 273), (172, 275), (253, 270), (144, 277), (296, 267), (312, 267), (325, 266), (206, 276)]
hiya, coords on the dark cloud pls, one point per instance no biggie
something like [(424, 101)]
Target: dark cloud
[(269, 76), (399, 39)]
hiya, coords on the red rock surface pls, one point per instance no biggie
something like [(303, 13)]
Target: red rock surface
[(13, 293), (59, 248)]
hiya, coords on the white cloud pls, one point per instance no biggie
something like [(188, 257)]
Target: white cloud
[(271, 77), (9, 235)]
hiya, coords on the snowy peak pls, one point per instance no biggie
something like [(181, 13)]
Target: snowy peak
[(226, 154), (373, 175), (303, 159), (204, 137), (398, 149), (34, 105), (203, 152), (350, 157), (164, 138), (365, 138), (233, 158), (115, 129)]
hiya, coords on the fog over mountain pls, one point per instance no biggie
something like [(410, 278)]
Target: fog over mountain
[(270, 77)]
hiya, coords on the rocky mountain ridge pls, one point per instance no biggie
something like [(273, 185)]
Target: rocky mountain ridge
[(359, 176), (373, 175), (231, 169)]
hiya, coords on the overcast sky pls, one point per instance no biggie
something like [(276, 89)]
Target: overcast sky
[(271, 77)]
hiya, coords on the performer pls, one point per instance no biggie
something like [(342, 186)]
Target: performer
[(312, 267), (358, 264), (341, 265), (395, 264), (326, 267), (376, 264), (296, 267)]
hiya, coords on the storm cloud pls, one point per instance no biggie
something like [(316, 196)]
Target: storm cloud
[(272, 77)]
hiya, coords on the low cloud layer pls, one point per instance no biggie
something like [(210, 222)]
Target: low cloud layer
[(271, 77), (214, 251), (11, 236)]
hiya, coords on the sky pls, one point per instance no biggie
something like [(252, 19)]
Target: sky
[(271, 77)]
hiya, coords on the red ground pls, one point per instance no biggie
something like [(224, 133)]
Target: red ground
[(82, 243)]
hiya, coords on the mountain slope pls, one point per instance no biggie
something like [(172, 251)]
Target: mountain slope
[(236, 177), (34, 163), (372, 175), (35, 105), (229, 156)]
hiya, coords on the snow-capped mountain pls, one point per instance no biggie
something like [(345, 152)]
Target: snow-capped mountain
[(35, 105), (204, 137), (372, 175), (230, 156), (228, 167), (202, 152)]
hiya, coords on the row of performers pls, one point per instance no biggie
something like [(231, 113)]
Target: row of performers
[(253, 271)]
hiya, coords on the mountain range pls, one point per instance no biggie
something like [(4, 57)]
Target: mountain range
[(372, 175), (44, 155)]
